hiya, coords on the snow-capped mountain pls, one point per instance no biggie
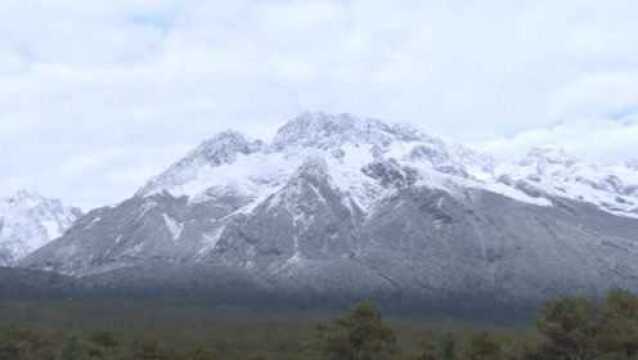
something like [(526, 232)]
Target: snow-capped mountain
[(354, 148), (342, 205), (551, 172), (29, 221), (231, 163)]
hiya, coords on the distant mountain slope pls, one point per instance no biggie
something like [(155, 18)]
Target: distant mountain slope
[(29, 221), (30, 284), (340, 206)]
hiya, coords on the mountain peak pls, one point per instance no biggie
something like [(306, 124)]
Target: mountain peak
[(28, 199), (323, 130), (222, 147), (227, 136), (24, 194), (28, 221), (314, 167)]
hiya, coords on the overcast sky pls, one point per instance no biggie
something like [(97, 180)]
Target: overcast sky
[(96, 96)]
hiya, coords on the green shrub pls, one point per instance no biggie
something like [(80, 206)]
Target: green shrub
[(359, 335)]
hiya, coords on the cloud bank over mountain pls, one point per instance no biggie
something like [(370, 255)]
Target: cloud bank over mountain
[(109, 93)]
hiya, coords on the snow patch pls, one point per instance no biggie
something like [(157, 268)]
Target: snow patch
[(515, 194), (210, 240), (173, 226), (52, 228), (93, 222)]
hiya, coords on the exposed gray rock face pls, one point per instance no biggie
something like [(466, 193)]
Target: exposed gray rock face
[(155, 228), (389, 173), (487, 243), (342, 208)]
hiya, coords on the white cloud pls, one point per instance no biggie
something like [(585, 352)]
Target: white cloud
[(594, 140), (94, 91), (612, 95)]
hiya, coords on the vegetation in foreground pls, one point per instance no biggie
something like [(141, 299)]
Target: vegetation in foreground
[(570, 328)]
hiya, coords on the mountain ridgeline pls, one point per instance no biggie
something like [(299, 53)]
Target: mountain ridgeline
[(29, 221), (338, 208)]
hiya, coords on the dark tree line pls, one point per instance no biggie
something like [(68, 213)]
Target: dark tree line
[(569, 328)]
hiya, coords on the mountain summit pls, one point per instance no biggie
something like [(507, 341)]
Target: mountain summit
[(321, 130), (341, 207), (29, 221)]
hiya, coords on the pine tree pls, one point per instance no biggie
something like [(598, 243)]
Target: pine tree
[(569, 326), (448, 347), (359, 335), (72, 350), (619, 324), (483, 346)]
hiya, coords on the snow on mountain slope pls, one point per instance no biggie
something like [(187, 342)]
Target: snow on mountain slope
[(551, 172), (338, 204), (348, 144), (231, 163), (192, 173), (28, 221)]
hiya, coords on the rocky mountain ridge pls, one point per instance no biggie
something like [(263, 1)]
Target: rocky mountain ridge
[(29, 221), (341, 206)]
